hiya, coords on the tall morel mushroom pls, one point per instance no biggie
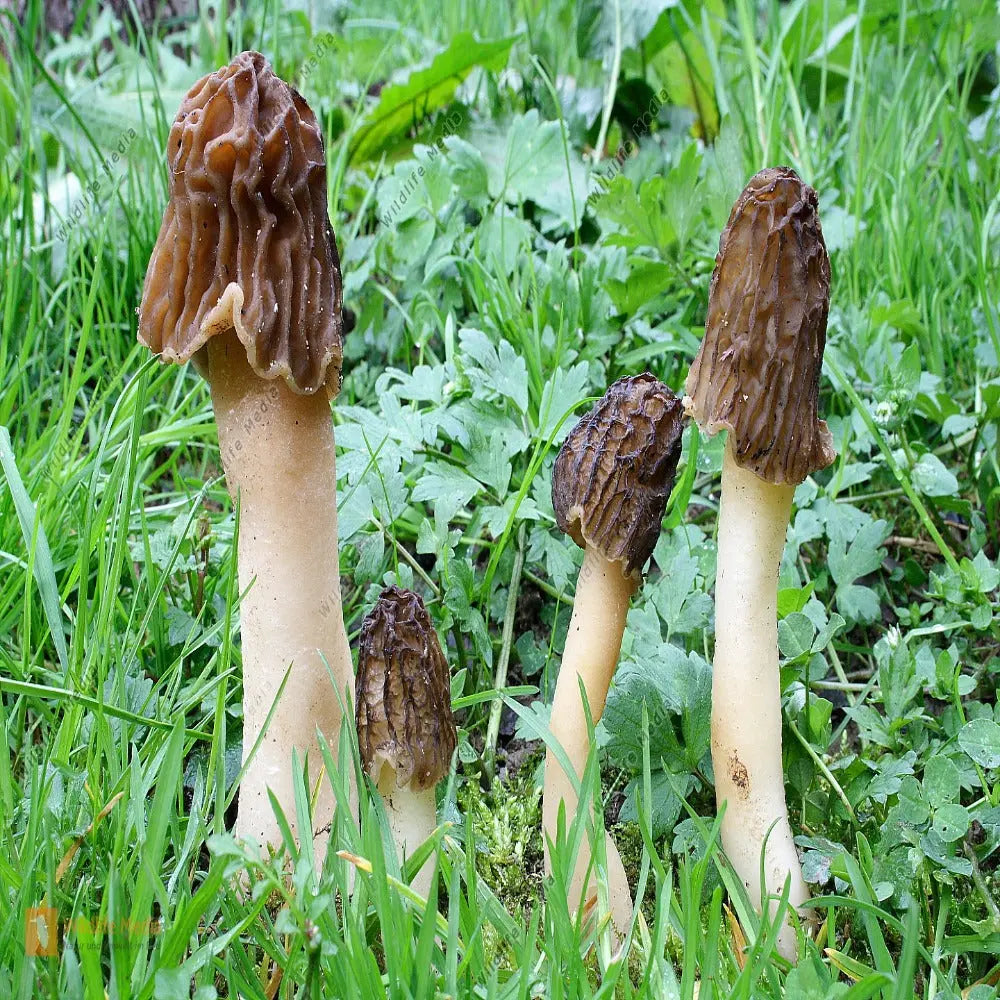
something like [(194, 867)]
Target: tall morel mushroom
[(610, 486), (757, 375), (245, 279), (406, 730)]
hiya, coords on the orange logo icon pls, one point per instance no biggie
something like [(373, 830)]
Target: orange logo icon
[(41, 931)]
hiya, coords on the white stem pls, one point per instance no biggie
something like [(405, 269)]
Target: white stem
[(591, 654), (278, 453), (412, 819), (746, 696)]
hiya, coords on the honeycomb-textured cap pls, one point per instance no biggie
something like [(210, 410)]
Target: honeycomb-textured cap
[(403, 699), (613, 476), (245, 241), (757, 371)]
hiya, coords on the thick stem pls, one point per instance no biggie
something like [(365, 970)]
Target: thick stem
[(593, 643), (746, 695), (412, 819), (278, 453)]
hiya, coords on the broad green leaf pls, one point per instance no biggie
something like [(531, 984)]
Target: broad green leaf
[(426, 90), (596, 29), (850, 562), (933, 478), (646, 280), (683, 66), (942, 781), (532, 167), (951, 822), (665, 807), (980, 739), (795, 635)]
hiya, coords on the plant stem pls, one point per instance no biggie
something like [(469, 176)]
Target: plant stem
[(746, 696), (593, 643), (412, 819), (278, 452)]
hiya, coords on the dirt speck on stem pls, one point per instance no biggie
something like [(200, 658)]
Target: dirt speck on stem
[(739, 774)]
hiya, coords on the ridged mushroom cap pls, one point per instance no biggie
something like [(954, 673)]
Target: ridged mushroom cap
[(757, 371), (403, 693), (614, 473), (245, 241)]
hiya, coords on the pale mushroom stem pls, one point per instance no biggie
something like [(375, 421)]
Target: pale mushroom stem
[(746, 696), (593, 643), (278, 453), (412, 819)]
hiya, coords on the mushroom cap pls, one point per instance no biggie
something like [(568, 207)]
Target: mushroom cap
[(403, 693), (245, 241), (757, 370), (614, 473)]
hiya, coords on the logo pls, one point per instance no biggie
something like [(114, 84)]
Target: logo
[(41, 931)]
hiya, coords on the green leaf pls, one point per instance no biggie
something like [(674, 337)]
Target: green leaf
[(683, 606), (951, 822), (555, 553), (502, 240), (501, 369), (458, 598), (641, 216), (863, 556), (596, 29), (794, 598), (889, 777), (425, 91), (942, 781), (489, 459), (646, 280), (849, 562), (827, 632), (980, 739), (560, 397), (446, 485), (468, 170), (795, 635), (684, 68), (858, 603), (533, 168), (665, 807), (675, 687), (933, 478)]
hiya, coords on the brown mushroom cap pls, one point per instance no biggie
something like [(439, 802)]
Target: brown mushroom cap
[(757, 371), (614, 473), (246, 242), (403, 700)]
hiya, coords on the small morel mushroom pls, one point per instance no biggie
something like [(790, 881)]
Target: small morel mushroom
[(757, 375), (245, 280), (610, 486), (406, 731)]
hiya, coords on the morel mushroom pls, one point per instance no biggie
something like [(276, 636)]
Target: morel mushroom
[(757, 375), (610, 486), (245, 279), (406, 731)]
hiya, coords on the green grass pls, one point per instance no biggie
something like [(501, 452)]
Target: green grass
[(496, 302)]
